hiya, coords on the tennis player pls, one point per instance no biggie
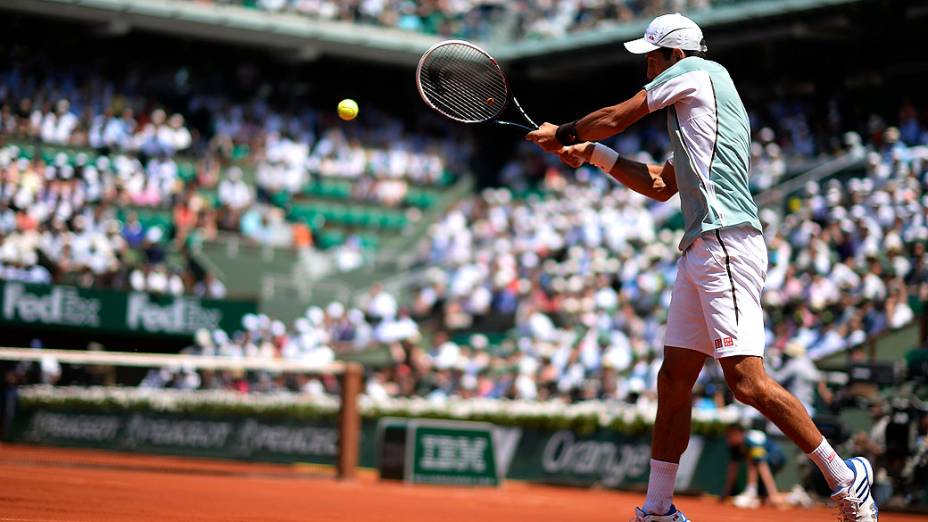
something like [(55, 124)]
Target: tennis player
[(715, 308)]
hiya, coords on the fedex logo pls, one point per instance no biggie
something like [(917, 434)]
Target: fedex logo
[(725, 341)]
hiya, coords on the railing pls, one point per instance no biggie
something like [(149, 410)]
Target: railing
[(160, 360)]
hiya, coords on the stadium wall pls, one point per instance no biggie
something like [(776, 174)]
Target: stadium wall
[(599, 458)]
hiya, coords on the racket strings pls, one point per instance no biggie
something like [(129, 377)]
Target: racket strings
[(465, 106), (461, 89), (471, 107), (463, 83)]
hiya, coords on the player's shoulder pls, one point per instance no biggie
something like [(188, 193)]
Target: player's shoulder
[(693, 63), (690, 64)]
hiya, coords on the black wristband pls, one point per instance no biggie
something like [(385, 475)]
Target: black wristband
[(567, 134)]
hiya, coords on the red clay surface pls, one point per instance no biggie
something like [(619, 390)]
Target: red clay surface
[(51, 484)]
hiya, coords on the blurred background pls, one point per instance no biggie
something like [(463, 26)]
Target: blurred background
[(174, 179)]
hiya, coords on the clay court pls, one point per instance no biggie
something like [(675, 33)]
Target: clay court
[(52, 484)]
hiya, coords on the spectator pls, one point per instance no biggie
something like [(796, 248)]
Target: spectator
[(56, 126), (380, 305), (799, 375), (234, 193), (764, 459)]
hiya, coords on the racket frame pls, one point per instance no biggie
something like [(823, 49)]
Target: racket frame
[(509, 95)]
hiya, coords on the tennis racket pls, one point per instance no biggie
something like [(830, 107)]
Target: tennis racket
[(462, 82)]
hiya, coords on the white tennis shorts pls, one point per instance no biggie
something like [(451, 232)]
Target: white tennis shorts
[(715, 305)]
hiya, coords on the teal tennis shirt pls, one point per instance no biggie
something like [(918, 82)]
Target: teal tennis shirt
[(711, 139)]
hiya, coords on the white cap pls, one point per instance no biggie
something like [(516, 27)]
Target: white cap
[(673, 31)]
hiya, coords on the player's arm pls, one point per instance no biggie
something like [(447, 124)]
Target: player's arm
[(595, 126), (654, 181), (609, 121)]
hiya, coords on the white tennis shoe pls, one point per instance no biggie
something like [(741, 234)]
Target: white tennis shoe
[(673, 516), (854, 502)]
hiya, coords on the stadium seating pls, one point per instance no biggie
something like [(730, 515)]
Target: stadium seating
[(367, 241), (485, 20)]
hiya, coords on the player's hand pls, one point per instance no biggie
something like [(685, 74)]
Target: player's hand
[(544, 137), (576, 155), (570, 160)]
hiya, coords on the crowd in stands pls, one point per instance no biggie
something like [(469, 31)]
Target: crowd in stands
[(85, 161), (107, 122), (315, 338), (554, 288), (379, 160), (477, 19), (89, 165), (581, 274), (579, 277), (844, 263), (62, 222)]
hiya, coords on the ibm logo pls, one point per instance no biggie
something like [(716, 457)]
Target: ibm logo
[(446, 453)]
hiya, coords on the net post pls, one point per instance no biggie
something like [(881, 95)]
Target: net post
[(349, 422)]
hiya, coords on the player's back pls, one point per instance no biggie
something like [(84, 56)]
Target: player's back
[(711, 138)]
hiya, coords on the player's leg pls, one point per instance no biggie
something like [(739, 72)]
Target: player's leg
[(850, 480), (675, 381), (683, 360), (751, 385), (671, 432), (730, 289)]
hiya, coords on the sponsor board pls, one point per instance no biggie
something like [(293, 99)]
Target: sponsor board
[(60, 305), (176, 316), (443, 452), (143, 431), (174, 434), (601, 458), (117, 312), (46, 426), (601, 461), (448, 452), (257, 438)]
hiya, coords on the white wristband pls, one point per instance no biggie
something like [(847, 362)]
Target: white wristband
[(603, 157)]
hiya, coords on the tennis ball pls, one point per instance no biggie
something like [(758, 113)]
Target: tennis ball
[(347, 109)]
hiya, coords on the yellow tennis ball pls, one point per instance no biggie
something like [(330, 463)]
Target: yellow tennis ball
[(347, 109)]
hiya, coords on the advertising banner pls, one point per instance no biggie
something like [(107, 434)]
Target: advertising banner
[(450, 452), (443, 452), (241, 438), (115, 312)]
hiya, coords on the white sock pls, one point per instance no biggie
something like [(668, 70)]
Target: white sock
[(660, 487), (836, 472)]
